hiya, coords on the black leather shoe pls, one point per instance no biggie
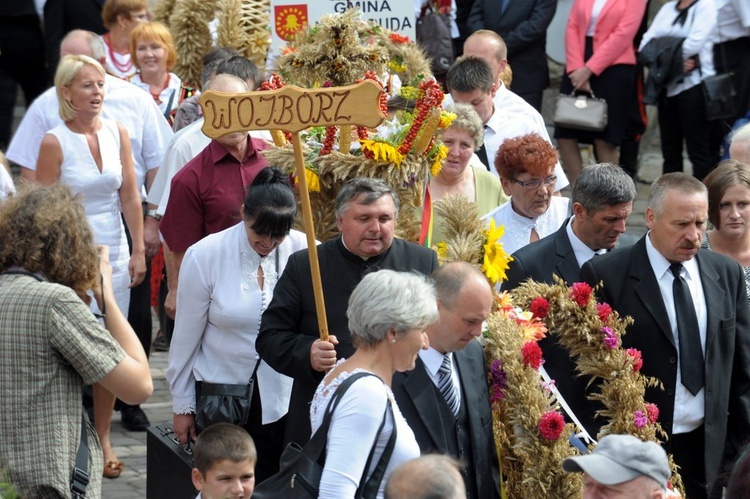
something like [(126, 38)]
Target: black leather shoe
[(160, 343), (134, 419)]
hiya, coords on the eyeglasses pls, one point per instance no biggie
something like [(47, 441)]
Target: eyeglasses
[(531, 185)]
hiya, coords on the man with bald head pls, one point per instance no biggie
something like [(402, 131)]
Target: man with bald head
[(432, 476), (490, 47), (739, 147), (445, 399), (208, 192)]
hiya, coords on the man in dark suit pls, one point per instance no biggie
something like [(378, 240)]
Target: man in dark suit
[(63, 16), (523, 25), (691, 326), (366, 210), (445, 399), (602, 201)]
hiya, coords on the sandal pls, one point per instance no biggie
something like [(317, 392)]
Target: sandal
[(113, 469)]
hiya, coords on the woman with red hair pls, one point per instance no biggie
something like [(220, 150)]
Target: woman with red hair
[(526, 165)]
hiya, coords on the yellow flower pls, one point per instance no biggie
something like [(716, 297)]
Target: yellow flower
[(313, 180), (504, 302), (382, 151), (437, 163), (411, 93), (442, 250), (397, 67), (495, 260), (446, 119)]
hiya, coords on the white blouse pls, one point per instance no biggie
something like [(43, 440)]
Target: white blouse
[(518, 228), (699, 32), (170, 93), (219, 306), (354, 425)]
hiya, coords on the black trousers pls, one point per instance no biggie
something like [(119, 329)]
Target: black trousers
[(682, 118), (689, 451), (21, 63)]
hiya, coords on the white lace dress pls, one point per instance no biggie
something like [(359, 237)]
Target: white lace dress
[(354, 425), (100, 193), (219, 306)]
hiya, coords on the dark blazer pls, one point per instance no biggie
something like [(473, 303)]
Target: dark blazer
[(289, 325), (554, 255), (523, 26), (417, 400), (630, 287)]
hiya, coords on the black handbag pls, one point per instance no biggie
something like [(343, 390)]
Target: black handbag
[(719, 94), (300, 469), (222, 402)]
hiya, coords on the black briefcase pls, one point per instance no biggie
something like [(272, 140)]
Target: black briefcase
[(168, 465)]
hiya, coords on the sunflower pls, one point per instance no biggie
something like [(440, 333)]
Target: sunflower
[(495, 260), (437, 162), (382, 151)]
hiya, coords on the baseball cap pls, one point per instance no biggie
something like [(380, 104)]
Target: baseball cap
[(621, 458)]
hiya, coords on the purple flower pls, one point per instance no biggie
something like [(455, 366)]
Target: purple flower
[(641, 419), (499, 381), (548, 385), (610, 339)]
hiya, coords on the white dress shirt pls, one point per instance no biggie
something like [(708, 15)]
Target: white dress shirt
[(170, 93), (733, 19), (582, 252), (149, 132), (689, 409), (518, 228), (433, 360), (218, 319)]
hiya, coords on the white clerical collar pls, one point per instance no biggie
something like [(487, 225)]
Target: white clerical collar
[(364, 258)]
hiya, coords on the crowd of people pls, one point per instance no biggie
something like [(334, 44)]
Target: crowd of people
[(124, 205)]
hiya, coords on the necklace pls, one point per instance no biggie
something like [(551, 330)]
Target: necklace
[(123, 68), (157, 95)]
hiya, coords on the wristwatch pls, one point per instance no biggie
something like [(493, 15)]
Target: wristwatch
[(153, 214)]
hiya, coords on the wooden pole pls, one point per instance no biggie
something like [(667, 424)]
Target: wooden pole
[(312, 250)]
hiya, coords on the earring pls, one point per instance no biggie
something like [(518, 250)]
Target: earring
[(393, 340)]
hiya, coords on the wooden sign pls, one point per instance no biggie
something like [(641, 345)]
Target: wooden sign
[(291, 108)]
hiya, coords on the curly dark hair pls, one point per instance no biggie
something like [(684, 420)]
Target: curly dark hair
[(44, 230), (526, 153)]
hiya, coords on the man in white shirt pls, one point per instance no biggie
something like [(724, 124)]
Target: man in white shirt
[(691, 325), (471, 81)]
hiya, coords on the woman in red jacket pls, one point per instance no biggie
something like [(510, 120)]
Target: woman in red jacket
[(599, 58)]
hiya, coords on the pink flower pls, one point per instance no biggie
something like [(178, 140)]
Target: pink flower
[(603, 310), (532, 355), (641, 419), (635, 355), (539, 307), (580, 292), (653, 412), (610, 339), (551, 425), (548, 385)]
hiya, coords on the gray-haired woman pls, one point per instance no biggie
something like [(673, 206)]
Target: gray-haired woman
[(388, 313)]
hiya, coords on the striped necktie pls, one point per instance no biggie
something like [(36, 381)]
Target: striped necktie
[(446, 386)]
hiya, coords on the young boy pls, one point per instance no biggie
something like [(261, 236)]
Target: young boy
[(225, 460)]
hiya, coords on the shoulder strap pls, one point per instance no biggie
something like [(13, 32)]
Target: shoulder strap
[(369, 488), (80, 479), (316, 446)]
